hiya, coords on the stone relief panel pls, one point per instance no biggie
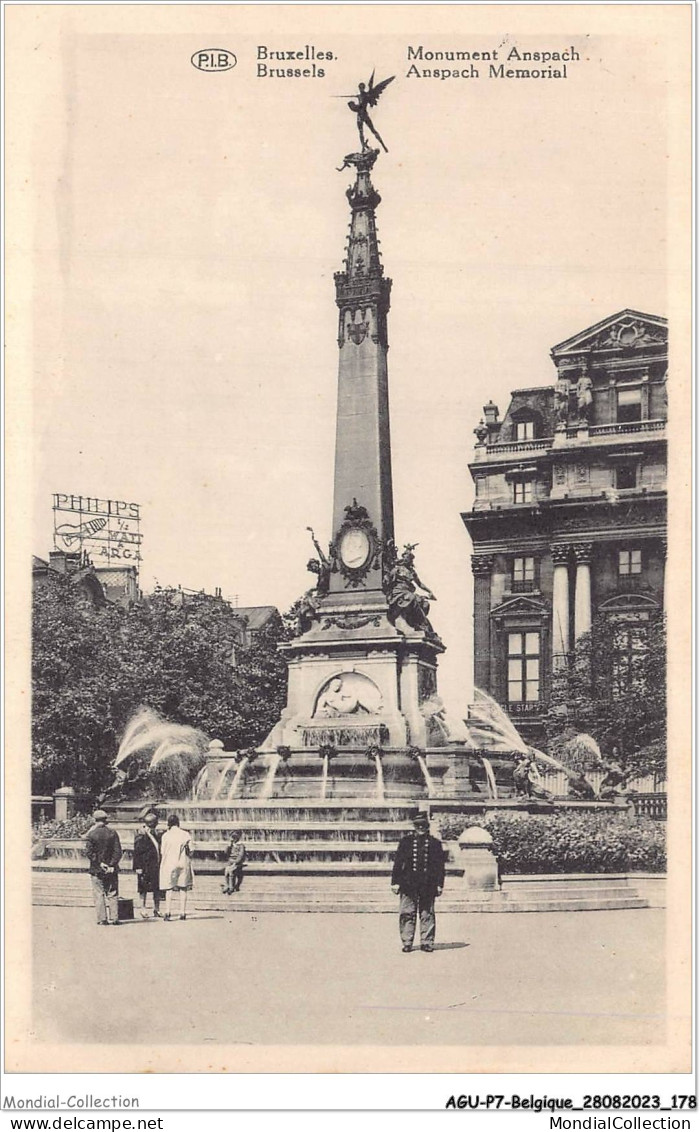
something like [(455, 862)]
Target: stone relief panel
[(348, 693)]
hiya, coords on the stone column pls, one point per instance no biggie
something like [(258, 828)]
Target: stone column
[(64, 803), (560, 604), (582, 606), (481, 569)]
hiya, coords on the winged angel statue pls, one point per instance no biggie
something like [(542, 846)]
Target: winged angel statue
[(368, 96)]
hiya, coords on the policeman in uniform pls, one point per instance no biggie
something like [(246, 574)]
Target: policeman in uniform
[(418, 877)]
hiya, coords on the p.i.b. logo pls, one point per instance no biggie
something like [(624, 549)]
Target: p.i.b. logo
[(214, 59)]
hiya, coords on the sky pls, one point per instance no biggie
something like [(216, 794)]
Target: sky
[(186, 228)]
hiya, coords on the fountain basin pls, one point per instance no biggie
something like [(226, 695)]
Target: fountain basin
[(393, 774)]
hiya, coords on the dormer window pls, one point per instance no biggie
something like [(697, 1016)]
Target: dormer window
[(524, 430)]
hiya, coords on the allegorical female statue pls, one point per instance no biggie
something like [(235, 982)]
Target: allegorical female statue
[(404, 600)]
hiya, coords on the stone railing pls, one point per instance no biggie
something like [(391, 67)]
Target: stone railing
[(651, 806), (624, 427), (519, 446)]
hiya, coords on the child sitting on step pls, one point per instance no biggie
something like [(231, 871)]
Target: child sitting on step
[(233, 870)]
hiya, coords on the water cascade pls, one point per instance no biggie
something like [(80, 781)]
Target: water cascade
[(269, 782), (324, 777), (426, 775), (240, 771), (490, 778), (380, 778)]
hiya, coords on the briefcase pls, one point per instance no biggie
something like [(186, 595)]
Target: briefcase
[(125, 908)]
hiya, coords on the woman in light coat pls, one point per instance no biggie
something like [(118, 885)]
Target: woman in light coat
[(175, 866)]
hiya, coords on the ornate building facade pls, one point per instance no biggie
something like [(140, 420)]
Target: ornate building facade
[(569, 517)]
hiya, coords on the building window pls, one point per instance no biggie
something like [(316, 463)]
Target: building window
[(523, 667), (629, 653), (629, 562), (625, 476), (522, 491), (523, 575), (525, 430), (629, 405)]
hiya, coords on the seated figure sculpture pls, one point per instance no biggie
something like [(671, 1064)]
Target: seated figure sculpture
[(404, 600)]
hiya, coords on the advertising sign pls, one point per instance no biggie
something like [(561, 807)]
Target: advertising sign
[(107, 529)]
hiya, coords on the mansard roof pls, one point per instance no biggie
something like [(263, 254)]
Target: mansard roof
[(628, 329)]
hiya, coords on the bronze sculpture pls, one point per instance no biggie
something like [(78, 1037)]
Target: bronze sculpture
[(404, 600), (368, 96)]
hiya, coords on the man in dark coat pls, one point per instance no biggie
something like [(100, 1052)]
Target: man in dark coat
[(146, 863), (418, 877), (104, 852)]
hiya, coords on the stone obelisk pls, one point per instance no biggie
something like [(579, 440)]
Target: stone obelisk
[(363, 442), (362, 669)]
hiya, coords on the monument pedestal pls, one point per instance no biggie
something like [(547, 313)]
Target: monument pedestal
[(356, 680)]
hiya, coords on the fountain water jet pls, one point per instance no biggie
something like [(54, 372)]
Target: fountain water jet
[(380, 778), (268, 784), (240, 771), (490, 778), (488, 721), (430, 785), (324, 777), (169, 754)]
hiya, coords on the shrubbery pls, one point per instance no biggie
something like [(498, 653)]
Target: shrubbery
[(70, 829), (567, 842)]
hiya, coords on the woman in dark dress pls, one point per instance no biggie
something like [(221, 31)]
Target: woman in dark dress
[(147, 863)]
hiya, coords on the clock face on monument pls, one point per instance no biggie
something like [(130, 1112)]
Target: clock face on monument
[(354, 549)]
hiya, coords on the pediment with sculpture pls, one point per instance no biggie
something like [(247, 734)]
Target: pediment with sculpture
[(626, 330)]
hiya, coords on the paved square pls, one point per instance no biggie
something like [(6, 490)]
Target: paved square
[(587, 978)]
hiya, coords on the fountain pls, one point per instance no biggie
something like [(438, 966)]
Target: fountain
[(156, 754)]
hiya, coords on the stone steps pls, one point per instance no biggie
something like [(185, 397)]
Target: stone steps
[(353, 894)]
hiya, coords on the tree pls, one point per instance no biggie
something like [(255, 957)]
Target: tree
[(613, 687), (78, 707), (93, 668)]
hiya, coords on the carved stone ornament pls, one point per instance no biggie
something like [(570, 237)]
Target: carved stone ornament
[(629, 335), (482, 563), (350, 621), (583, 552), (358, 545), (560, 554), (357, 331), (518, 607)]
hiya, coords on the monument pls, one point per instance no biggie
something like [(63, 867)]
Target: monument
[(362, 668), (362, 671)]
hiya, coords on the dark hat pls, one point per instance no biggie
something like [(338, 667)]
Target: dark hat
[(421, 818), (99, 815)]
